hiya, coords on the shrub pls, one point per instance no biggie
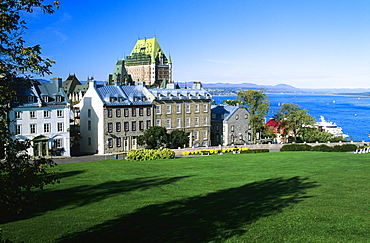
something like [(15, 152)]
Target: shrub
[(296, 147), (149, 154), (322, 148), (345, 148), (254, 151)]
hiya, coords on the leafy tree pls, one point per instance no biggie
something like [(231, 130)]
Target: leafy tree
[(154, 137), (18, 174), (257, 105), (178, 138), (293, 118)]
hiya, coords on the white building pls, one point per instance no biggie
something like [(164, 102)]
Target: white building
[(41, 114)]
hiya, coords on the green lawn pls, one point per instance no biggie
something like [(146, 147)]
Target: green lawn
[(270, 197)]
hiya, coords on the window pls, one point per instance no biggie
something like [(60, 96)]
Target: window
[(109, 113), (196, 135), (141, 125), (89, 141), (205, 135), (232, 128), (196, 121), (18, 114), (31, 99), (112, 99), (126, 126), (59, 113), (158, 122), (205, 106), (59, 99), (133, 112), (110, 142), (133, 126), (118, 126), (32, 128), (158, 109), (196, 107), (45, 99), (168, 123), (213, 116), (141, 111), (168, 109), (60, 126), (18, 129), (46, 127), (148, 111), (178, 108), (89, 125), (205, 119), (125, 112), (118, 142), (178, 122), (148, 124), (58, 143), (32, 114), (46, 114), (110, 127), (89, 113), (236, 117), (187, 108), (118, 112), (188, 121)]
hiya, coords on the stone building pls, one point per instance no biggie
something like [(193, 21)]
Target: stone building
[(185, 109), (230, 125)]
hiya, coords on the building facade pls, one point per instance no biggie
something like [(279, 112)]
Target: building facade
[(230, 125), (184, 109), (42, 114)]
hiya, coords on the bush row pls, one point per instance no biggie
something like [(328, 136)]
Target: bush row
[(227, 150), (321, 148), (149, 154)]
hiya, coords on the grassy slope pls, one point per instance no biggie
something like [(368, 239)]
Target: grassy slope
[(276, 197)]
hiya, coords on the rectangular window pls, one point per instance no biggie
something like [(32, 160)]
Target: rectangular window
[(18, 129), (58, 143), (148, 124), (196, 135), (32, 114), (32, 128), (118, 126), (31, 99), (232, 128), (46, 127), (168, 123), (205, 135), (60, 127), (110, 127), (196, 107), (59, 99), (133, 112), (59, 113), (89, 125), (205, 106), (45, 99), (158, 109), (205, 120), (110, 142), (188, 121), (133, 126), (178, 122), (118, 112), (141, 111), (46, 114), (196, 121), (125, 112), (89, 141), (187, 108), (109, 113), (18, 114), (118, 142), (168, 109), (158, 122), (178, 108), (88, 113), (141, 125), (148, 111), (126, 126)]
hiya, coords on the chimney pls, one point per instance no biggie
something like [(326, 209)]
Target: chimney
[(92, 83), (197, 85), (57, 82)]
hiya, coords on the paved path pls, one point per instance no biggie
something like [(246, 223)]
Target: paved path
[(85, 158)]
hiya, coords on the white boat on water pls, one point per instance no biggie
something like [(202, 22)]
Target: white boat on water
[(330, 127)]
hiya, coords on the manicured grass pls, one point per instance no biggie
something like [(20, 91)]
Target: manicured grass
[(270, 197)]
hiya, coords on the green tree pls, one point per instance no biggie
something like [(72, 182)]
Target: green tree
[(19, 175), (292, 118), (178, 138), (257, 105), (155, 137)]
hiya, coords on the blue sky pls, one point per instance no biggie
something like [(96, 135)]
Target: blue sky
[(303, 43)]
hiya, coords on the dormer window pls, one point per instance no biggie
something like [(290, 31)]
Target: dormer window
[(59, 99), (120, 99), (136, 98), (30, 99), (112, 99), (45, 99), (144, 98)]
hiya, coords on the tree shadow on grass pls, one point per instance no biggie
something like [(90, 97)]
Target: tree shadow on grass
[(216, 216), (78, 196)]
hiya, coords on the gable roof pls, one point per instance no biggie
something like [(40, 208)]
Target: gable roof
[(223, 112), (120, 95)]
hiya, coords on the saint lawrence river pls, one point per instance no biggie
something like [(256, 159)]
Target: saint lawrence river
[(352, 113)]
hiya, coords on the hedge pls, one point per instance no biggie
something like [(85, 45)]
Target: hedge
[(321, 148), (149, 154)]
